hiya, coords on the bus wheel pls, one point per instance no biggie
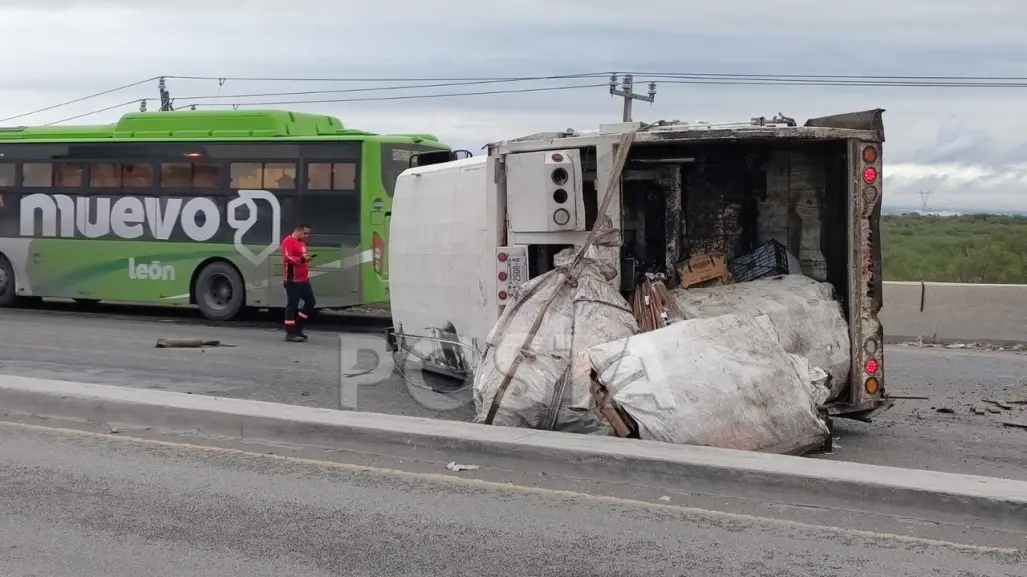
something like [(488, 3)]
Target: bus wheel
[(220, 293), (7, 295)]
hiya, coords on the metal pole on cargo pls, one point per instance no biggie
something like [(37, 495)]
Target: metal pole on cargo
[(627, 93)]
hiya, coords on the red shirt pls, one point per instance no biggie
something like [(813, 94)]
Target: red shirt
[(294, 256)]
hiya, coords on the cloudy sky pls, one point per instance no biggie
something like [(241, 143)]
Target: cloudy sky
[(966, 145)]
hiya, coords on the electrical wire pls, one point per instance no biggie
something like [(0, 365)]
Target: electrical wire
[(77, 100), (97, 111), (852, 83), (864, 77), (436, 79), (410, 96), (372, 88)]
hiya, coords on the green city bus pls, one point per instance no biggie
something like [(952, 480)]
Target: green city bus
[(189, 208)]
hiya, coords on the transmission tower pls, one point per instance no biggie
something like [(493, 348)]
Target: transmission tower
[(924, 195)]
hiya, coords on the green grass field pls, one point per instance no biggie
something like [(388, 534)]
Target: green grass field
[(978, 248)]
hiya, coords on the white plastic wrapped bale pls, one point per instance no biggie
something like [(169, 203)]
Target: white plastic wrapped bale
[(804, 311), (586, 312), (720, 382)]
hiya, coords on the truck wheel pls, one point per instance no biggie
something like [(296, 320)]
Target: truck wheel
[(219, 291), (7, 294)]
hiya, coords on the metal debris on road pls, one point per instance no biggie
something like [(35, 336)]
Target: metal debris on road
[(457, 468), (188, 343)]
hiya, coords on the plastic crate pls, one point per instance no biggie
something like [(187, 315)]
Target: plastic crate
[(768, 260)]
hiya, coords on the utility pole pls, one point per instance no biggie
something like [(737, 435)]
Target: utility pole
[(626, 91), (165, 96), (924, 195)]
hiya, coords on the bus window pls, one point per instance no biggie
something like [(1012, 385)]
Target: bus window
[(319, 176), (6, 175), (206, 175), (247, 175), (327, 176), (176, 175), (68, 175), (344, 176), (280, 175), (137, 175), (105, 175), (189, 175), (37, 174), (396, 159)]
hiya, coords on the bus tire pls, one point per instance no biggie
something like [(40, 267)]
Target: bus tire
[(8, 296), (219, 291)]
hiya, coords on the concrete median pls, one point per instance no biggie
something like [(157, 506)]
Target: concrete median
[(938, 497), (945, 312)]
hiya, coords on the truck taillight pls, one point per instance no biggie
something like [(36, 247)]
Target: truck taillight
[(870, 175), (502, 257), (378, 252), (869, 154), (872, 366)]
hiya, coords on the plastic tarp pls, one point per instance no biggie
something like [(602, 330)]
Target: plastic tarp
[(720, 382), (587, 311), (809, 320)]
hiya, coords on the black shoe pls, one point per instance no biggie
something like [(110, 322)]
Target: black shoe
[(295, 339), (304, 337)]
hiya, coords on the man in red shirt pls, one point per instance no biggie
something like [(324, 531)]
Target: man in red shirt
[(296, 278)]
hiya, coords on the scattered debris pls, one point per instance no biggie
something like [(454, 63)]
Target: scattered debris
[(1012, 425), (808, 319), (457, 468), (755, 397), (908, 397), (114, 431), (539, 348), (981, 410), (704, 270), (188, 343), (664, 498), (945, 411), (1000, 404)]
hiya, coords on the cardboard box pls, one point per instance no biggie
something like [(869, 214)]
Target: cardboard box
[(704, 270)]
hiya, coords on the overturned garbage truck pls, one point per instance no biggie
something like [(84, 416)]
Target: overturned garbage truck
[(731, 218)]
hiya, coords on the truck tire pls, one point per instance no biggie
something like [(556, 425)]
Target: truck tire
[(7, 283), (219, 291)]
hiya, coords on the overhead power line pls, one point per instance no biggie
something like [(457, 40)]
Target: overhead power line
[(407, 79), (637, 74), (77, 100), (374, 88), (97, 111), (411, 96)]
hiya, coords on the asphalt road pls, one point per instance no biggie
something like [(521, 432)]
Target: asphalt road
[(74, 504), (260, 366)]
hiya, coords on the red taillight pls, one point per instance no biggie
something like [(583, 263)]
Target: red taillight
[(502, 276), (870, 174), (502, 257), (377, 252), (503, 295), (872, 366), (557, 157)]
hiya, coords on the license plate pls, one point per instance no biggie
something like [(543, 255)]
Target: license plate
[(518, 271)]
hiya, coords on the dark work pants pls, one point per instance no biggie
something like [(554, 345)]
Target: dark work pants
[(297, 292)]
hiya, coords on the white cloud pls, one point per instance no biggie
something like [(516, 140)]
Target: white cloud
[(966, 145)]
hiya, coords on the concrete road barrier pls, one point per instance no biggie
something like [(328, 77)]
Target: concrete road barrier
[(946, 312), (938, 497)]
